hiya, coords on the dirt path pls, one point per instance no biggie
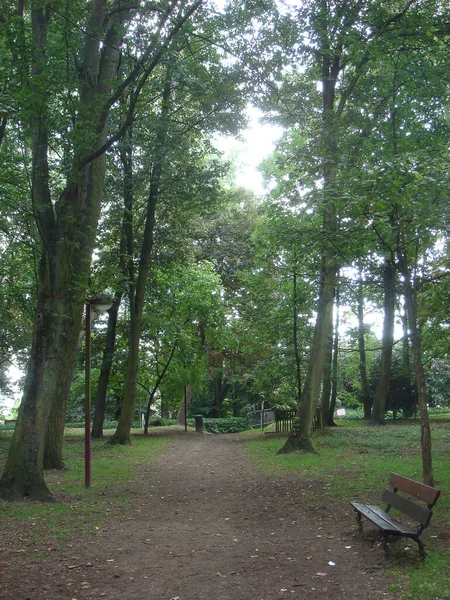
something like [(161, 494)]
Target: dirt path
[(205, 525)]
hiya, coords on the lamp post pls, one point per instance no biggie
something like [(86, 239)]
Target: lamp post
[(100, 304)]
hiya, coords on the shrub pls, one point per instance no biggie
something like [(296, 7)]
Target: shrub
[(227, 425), (161, 422)]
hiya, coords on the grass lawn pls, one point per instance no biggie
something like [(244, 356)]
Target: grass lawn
[(355, 461), (79, 510)]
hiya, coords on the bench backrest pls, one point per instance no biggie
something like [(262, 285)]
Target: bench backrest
[(415, 490)]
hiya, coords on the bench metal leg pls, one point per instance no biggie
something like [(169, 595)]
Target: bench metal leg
[(421, 547), (384, 541), (358, 521)]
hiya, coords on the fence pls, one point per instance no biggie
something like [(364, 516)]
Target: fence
[(284, 420), (259, 419)]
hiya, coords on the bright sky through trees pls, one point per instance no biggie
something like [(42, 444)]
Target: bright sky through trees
[(255, 143)]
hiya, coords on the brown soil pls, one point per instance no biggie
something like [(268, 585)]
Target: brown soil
[(205, 524)]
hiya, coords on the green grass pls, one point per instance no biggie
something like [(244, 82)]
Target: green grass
[(354, 461), (79, 510)]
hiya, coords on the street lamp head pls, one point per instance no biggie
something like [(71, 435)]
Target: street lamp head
[(101, 303)]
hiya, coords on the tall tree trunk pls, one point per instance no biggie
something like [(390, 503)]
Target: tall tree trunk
[(126, 268), (365, 396), (329, 392), (300, 437), (326, 385), (381, 393), (334, 372), (411, 307), (298, 372), (53, 455), (67, 233), (164, 405), (137, 299), (220, 389)]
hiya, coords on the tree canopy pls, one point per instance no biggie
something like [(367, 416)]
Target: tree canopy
[(111, 181)]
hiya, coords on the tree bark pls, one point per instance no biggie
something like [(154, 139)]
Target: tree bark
[(220, 389), (164, 405), (300, 437), (53, 455), (126, 268), (122, 433), (326, 385), (67, 232), (365, 396), (381, 393), (411, 307), (328, 411), (334, 372), (298, 372)]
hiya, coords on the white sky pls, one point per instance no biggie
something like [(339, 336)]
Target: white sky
[(258, 142)]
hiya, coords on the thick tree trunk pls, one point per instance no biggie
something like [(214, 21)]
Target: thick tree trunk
[(381, 393), (67, 234), (53, 455)]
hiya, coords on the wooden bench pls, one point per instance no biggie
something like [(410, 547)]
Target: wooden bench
[(410, 503)]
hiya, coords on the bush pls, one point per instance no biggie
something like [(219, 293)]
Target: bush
[(227, 425), (80, 425), (161, 422)]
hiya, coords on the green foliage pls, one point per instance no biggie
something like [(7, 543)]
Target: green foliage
[(226, 425), (161, 422), (438, 382)]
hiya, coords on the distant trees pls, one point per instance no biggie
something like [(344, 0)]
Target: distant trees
[(355, 117)]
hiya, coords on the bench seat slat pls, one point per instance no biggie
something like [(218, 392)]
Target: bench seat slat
[(383, 520)]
